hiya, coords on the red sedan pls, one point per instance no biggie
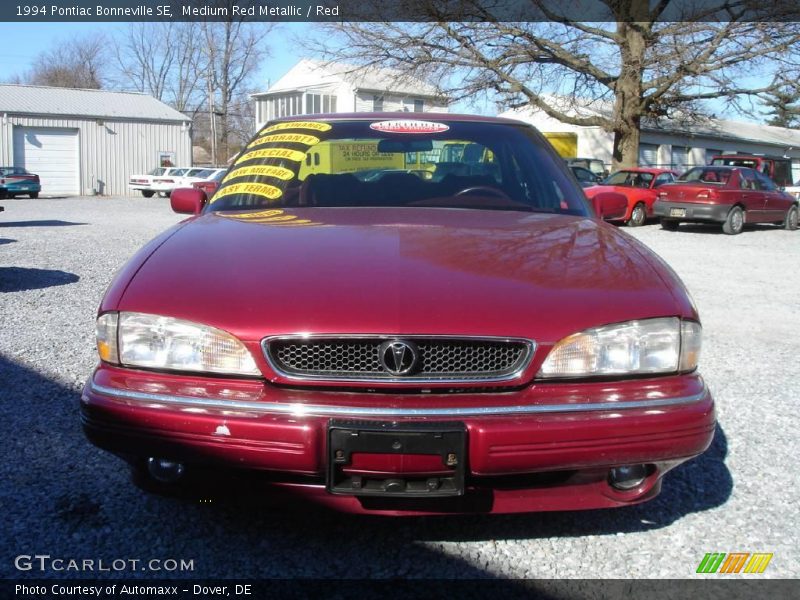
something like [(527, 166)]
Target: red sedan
[(731, 196), (437, 337), (639, 186)]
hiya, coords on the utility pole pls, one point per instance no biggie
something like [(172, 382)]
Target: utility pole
[(212, 116)]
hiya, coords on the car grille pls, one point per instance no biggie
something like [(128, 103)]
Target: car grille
[(437, 358)]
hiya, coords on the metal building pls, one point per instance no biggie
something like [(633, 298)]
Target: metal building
[(88, 141)]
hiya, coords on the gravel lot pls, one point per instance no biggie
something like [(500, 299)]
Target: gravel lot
[(61, 496)]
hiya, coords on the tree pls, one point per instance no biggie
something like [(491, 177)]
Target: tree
[(76, 63), (784, 106), (633, 65), (164, 60), (233, 51)]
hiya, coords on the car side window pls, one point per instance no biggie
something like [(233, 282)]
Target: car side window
[(765, 182), (662, 179), (747, 181)]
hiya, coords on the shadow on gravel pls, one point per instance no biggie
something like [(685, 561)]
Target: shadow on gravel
[(41, 223), (17, 279), (717, 229), (4, 241)]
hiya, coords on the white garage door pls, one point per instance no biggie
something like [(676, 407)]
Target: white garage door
[(52, 154)]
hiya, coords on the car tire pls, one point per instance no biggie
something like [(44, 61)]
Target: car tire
[(638, 216), (792, 217), (734, 224), (670, 224), (33, 195), (147, 193)]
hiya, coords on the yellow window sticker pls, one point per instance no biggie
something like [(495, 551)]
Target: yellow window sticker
[(270, 217), (316, 126), (296, 138), (260, 170), (257, 189), (261, 214), (294, 155)]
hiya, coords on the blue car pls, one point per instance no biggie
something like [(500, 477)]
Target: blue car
[(16, 180)]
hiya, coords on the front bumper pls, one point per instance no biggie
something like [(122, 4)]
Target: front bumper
[(693, 211), (576, 431)]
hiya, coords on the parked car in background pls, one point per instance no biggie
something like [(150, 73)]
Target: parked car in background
[(640, 187), (777, 168), (794, 190), (16, 181), (172, 178), (464, 339), (595, 165), (209, 186), (144, 182), (731, 196), (584, 176)]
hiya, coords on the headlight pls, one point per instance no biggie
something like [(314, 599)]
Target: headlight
[(151, 341), (666, 345)]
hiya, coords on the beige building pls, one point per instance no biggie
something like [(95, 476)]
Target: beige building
[(88, 141), (671, 143), (313, 87)]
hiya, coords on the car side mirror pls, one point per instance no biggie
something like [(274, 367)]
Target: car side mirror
[(189, 201), (610, 206)]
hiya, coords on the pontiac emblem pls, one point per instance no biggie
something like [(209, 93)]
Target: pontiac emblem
[(398, 357)]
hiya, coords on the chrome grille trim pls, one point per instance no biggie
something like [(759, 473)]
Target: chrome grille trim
[(513, 372)]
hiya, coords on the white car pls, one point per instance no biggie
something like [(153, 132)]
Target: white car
[(143, 182)]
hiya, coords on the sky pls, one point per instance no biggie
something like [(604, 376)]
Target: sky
[(22, 42)]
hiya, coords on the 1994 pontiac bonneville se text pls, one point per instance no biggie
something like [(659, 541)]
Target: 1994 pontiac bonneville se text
[(402, 316)]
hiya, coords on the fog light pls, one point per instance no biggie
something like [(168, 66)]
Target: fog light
[(627, 477), (165, 471)]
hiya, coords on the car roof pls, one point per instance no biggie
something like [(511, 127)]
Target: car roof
[(413, 116), (651, 170)]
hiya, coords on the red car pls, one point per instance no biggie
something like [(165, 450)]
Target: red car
[(209, 186), (639, 186), (731, 196), (456, 338)]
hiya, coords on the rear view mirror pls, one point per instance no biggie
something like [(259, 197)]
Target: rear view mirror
[(189, 201), (403, 146), (610, 206)]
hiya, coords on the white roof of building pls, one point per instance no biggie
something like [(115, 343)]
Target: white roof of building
[(41, 100), (315, 74), (698, 127)]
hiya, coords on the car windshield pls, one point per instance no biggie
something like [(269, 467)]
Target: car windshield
[(630, 179), (397, 163), (157, 171), (706, 175)]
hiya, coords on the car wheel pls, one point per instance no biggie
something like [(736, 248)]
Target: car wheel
[(670, 224), (734, 224), (638, 216), (34, 195), (792, 216), (147, 193)]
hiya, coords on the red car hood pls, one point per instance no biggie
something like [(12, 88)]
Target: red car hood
[(395, 271)]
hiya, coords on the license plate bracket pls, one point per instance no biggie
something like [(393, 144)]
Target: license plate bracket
[(444, 439)]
